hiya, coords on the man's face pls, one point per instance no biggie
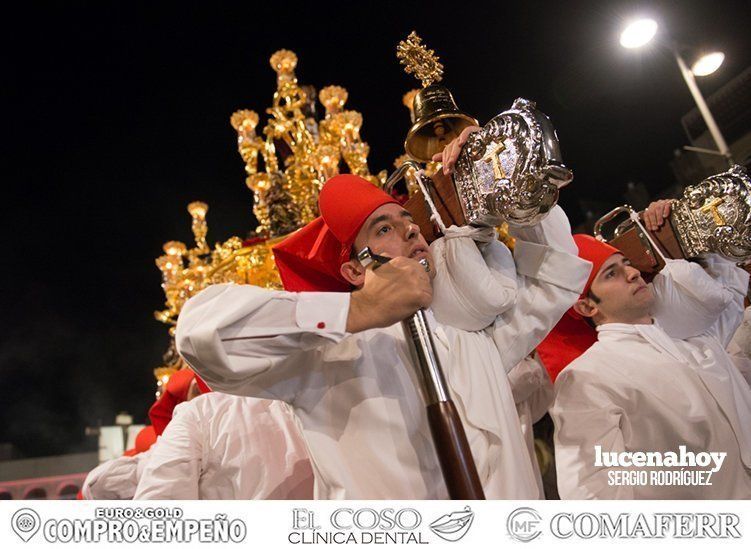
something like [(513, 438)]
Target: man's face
[(623, 294), (389, 231)]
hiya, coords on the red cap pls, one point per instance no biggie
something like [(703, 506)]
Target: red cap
[(309, 259), (565, 343), (595, 251), (202, 385), (572, 335), (145, 438), (176, 392)]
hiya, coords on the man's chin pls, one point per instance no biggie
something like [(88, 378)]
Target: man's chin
[(646, 297)]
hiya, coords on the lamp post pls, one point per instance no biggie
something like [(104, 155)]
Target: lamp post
[(640, 32)]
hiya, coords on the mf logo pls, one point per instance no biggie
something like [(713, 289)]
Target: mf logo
[(524, 524)]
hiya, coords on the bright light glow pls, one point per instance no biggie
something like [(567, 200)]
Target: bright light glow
[(708, 63), (638, 33)]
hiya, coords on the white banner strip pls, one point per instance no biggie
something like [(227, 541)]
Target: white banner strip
[(271, 524)]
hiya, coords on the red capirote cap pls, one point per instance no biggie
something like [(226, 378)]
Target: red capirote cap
[(573, 335), (175, 393), (309, 259), (566, 342), (595, 251), (145, 438), (202, 385)]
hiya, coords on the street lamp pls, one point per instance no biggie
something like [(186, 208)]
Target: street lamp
[(640, 32), (708, 63), (637, 33)]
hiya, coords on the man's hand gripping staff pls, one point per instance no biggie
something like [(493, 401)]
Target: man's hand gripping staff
[(452, 448), (389, 295)]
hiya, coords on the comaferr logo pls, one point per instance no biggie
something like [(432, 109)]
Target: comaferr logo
[(525, 524), (657, 525)]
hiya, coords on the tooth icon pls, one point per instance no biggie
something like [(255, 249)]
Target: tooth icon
[(25, 523), (453, 526)]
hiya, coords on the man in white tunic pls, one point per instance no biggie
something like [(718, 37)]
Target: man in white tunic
[(657, 379), (115, 478), (740, 346), (220, 446), (533, 395), (340, 358), (118, 478)]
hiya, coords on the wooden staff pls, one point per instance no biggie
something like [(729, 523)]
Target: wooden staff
[(449, 438)]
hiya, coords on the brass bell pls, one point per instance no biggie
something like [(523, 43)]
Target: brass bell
[(437, 121)]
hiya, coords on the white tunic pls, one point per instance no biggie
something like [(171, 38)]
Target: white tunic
[(358, 396), (220, 446), (116, 478), (533, 395), (638, 389)]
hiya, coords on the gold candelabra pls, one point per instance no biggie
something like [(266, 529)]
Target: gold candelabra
[(299, 153), (286, 163), (185, 272)]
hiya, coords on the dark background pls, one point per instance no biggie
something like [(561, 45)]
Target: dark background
[(119, 117)]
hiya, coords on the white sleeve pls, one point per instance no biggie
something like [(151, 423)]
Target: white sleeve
[(471, 287), (740, 344), (691, 300), (739, 347), (734, 280), (114, 479), (247, 341), (173, 469), (550, 278), (743, 365), (584, 415), (530, 383)]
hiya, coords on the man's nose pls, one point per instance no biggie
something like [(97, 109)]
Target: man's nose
[(632, 273), (412, 231)]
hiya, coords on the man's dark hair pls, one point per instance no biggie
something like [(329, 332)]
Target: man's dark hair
[(591, 295)]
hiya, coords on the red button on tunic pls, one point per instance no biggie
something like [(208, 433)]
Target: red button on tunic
[(321, 325)]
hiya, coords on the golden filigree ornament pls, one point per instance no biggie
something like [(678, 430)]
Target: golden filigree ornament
[(197, 211), (333, 99), (284, 62), (419, 60), (249, 145)]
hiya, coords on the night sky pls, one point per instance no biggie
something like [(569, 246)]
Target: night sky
[(119, 117)]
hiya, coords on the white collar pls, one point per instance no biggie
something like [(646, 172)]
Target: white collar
[(652, 333)]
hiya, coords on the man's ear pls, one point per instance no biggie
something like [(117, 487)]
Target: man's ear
[(586, 307), (353, 272)]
